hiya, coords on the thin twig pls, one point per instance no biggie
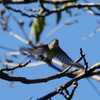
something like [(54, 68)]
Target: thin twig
[(17, 66), (83, 55)]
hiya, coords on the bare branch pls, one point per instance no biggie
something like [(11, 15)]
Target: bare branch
[(68, 5), (18, 2), (17, 66)]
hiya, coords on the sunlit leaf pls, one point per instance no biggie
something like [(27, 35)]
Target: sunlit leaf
[(37, 27)]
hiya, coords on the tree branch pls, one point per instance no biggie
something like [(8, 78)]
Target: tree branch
[(18, 2), (68, 5), (35, 1)]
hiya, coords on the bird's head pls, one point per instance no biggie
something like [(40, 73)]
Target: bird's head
[(53, 44)]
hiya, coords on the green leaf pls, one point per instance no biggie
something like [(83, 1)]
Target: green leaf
[(37, 27)]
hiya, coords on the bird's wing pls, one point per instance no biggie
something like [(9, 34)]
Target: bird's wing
[(63, 57), (66, 61)]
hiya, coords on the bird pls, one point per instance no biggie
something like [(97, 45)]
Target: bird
[(50, 51), (56, 52)]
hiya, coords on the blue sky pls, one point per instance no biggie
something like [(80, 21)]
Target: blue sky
[(72, 38)]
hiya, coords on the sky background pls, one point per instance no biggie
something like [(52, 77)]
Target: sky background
[(73, 37)]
